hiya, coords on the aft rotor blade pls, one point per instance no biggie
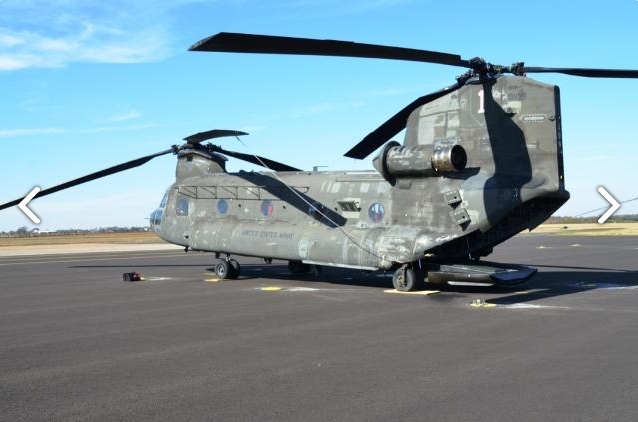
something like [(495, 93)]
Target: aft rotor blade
[(393, 125), (256, 159), (210, 134), (98, 174), (269, 44), (588, 73)]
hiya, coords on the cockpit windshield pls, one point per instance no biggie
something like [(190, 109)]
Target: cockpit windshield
[(156, 216), (164, 201)]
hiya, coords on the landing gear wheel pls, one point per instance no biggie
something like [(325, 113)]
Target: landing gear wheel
[(234, 269), (222, 270), (405, 279)]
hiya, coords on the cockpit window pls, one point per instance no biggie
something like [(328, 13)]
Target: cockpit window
[(156, 217), (182, 205), (164, 201)]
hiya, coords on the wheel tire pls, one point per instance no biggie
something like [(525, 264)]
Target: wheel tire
[(234, 269), (405, 280), (222, 270)]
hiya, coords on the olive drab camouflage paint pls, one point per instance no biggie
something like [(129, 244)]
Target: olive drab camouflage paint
[(481, 160), (509, 129)]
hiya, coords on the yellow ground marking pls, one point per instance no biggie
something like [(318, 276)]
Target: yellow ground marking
[(212, 280), (270, 289), (482, 304), (210, 277), (417, 293)]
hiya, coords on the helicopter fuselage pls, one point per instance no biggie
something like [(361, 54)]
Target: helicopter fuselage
[(508, 128)]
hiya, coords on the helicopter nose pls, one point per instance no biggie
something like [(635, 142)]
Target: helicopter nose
[(156, 220)]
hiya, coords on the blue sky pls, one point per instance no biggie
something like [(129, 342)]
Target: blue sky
[(89, 84)]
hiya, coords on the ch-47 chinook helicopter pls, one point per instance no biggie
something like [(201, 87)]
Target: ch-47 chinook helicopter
[(481, 161)]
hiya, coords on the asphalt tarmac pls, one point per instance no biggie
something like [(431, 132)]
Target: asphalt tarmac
[(78, 343)]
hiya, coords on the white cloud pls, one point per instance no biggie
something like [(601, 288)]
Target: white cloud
[(13, 63), (339, 8), (13, 133), (129, 115), (9, 40), (58, 33), (102, 47)]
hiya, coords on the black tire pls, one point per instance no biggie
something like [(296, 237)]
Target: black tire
[(406, 280), (234, 269), (222, 270)]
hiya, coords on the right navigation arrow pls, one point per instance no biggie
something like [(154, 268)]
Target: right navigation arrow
[(614, 205)]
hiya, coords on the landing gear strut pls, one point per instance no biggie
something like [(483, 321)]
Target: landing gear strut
[(409, 278)]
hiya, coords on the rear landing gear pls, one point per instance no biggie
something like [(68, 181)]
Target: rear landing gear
[(409, 278)]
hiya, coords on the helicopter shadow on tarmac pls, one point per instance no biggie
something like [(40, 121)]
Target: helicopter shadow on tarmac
[(550, 282), (277, 270), (557, 281), (553, 284), (332, 275)]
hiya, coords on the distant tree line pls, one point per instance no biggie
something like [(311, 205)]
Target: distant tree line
[(629, 218), (24, 231)]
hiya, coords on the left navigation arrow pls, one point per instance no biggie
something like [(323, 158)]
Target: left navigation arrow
[(23, 205)]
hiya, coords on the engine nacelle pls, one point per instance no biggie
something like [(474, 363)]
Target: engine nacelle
[(396, 161)]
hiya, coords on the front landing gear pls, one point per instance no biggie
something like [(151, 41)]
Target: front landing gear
[(408, 278), (227, 269)]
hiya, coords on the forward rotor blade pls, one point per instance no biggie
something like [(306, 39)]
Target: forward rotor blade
[(215, 133), (255, 159), (588, 73), (98, 174), (269, 44), (393, 125)]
